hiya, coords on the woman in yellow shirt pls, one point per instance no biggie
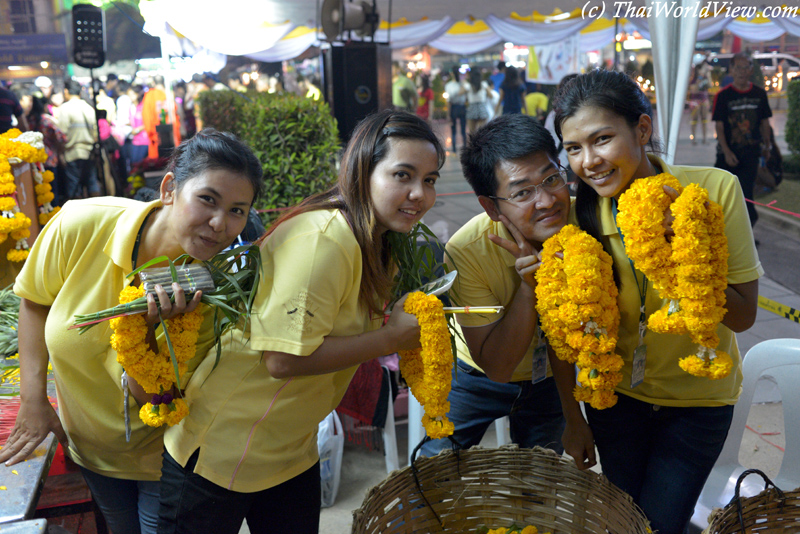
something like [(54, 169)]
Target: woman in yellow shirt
[(248, 449), (78, 264), (663, 436)]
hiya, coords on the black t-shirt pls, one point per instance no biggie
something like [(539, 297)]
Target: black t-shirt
[(741, 112)]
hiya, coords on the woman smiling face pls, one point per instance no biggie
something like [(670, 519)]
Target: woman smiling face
[(403, 184), (605, 151)]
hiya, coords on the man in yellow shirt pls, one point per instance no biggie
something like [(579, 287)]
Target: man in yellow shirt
[(537, 104), (511, 164)]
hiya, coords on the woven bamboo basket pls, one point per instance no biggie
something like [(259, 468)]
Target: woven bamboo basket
[(770, 512), (462, 491)]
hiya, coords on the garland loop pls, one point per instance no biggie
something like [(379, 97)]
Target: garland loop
[(690, 272), (577, 304), (154, 372), (427, 370)]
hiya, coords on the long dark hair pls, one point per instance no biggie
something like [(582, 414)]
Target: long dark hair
[(475, 80), (612, 91), (351, 195), (512, 79)]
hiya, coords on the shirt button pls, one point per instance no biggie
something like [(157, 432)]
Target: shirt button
[(656, 408)]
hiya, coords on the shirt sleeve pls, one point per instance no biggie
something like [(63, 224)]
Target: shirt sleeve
[(743, 263), (471, 287), (312, 276), (45, 270)]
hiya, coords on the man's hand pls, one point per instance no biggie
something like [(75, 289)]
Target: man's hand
[(730, 158), (578, 442), (528, 259)]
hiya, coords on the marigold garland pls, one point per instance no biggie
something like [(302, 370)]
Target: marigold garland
[(427, 370), (44, 194), (690, 272), (154, 372), (17, 147), (577, 304)]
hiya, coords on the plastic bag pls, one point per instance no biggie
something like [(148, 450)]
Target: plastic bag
[(330, 442)]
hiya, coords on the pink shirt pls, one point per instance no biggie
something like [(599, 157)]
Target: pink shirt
[(140, 139)]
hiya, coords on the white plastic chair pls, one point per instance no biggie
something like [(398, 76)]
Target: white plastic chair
[(780, 360), (389, 432)]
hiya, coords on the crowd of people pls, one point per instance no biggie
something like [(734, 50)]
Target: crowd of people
[(134, 121), (247, 449)]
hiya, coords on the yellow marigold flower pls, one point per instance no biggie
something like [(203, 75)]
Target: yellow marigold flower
[(130, 293), (17, 255), (427, 370), (176, 416), (7, 203), (20, 234), (150, 418)]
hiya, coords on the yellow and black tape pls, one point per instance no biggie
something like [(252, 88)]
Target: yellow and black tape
[(779, 309)]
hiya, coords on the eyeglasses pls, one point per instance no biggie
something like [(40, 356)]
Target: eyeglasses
[(551, 184)]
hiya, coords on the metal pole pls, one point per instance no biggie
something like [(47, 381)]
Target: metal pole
[(98, 159)]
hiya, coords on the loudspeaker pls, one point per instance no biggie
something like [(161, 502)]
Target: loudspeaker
[(357, 78), (338, 16), (88, 36)]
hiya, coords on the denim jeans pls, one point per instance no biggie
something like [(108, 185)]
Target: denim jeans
[(534, 411), (129, 506), (79, 174), (746, 170), (660, 456), (191, 504), (458, 112)]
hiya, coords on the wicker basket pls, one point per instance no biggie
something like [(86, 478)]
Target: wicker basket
[(770, 512), (495, 488)]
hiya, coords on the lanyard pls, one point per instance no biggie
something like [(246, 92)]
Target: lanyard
[(643, 288)]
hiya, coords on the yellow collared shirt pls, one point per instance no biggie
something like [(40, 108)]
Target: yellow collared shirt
[(665, 383), (255, 431)]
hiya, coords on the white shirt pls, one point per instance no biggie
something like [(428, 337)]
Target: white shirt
[(453, 90)]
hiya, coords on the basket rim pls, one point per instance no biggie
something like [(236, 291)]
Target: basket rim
[(373, 509)]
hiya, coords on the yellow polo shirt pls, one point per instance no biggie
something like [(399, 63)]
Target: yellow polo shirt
[(486, 277), (78, 265), (255, 431), (665, 383)]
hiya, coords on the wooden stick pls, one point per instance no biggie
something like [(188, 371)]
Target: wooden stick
[(474, 309)]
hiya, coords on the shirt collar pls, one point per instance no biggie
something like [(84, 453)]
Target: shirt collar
[(123, 238)]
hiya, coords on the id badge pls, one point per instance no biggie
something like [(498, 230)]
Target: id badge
[(540, 364), (639, 361)]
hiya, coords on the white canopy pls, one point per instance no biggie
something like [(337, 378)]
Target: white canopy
[(275, 30)]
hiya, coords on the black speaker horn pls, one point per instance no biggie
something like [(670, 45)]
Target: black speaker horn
[(88, 36), (339, 16)]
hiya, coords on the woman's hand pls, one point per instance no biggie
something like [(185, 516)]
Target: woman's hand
[(35, 420), (169, 309), (404, 327)]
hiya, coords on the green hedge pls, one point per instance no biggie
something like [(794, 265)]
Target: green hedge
[(793, 116), (295, 138)]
